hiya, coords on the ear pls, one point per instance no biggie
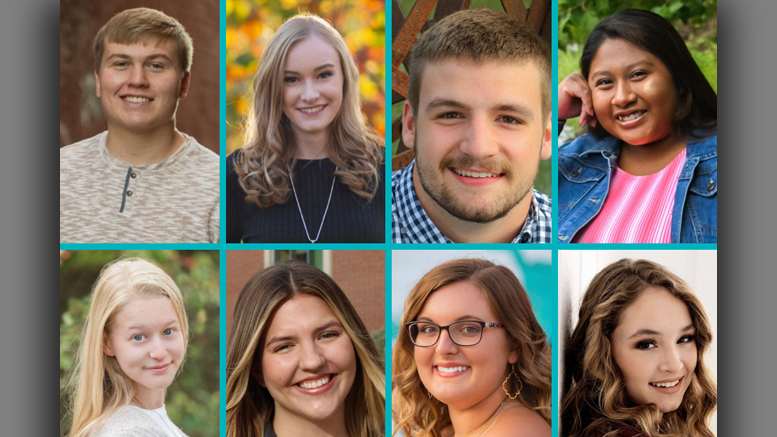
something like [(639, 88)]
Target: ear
[(512, 357), (97, 83), (256, 372), (185, 82), (107, 348), (408, 125), (546, 149)]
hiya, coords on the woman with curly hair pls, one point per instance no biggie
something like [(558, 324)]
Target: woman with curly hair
[(636, 357), (471, 358), (300, 361), (306, 140)]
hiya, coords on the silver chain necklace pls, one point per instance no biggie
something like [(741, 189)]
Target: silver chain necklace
[(493, 416), (304, 225)]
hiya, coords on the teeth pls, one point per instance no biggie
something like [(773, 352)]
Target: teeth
[(315, 384), (137, 99), (474, 174), (452, 369), (665, 384), (312, 110), (632, 116)]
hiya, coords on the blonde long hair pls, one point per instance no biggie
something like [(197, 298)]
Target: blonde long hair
[(99, 385), (597, 403), (264, 162), (418, 415), (249, 405)]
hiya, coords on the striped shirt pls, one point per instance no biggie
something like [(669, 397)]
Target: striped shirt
[(638, 209)]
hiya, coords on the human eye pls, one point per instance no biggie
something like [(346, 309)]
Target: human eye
[(509, 120), (638, 74), (138, 337), (281, 347), (646, 344), (603, 82), (468, 329), (329, 334), (290, 80), (450, 116), (168, 331), (325, 75), (428, 328), (687, 338)]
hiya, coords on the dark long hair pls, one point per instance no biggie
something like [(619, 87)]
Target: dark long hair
[(697, 110)]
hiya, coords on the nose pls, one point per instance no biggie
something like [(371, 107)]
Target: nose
[(479, 141), (670, 361), (311, 358), (446, 346), (138, 77), (158, 350), (309, 91), (624, 95)]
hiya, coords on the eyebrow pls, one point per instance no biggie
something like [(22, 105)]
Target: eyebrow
[(148, 58), (292, 337), (459, 319), (327, 65), (171, 322), (628, 67), (642, 332), (520, 110)]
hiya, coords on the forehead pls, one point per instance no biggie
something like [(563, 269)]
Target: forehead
[(456, 300), (301, 313), (311, 53), (655, 309), (145, 311), (142, 49), (482, 85), (617, 53)]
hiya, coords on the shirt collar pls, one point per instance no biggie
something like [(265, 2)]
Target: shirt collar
[(417, 227)]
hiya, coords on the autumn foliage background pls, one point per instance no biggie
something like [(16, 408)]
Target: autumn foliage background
[(251, 24)]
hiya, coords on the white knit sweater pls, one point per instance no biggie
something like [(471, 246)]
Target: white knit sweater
[(131, 422)]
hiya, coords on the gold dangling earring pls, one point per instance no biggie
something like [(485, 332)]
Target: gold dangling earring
[(504, 384)]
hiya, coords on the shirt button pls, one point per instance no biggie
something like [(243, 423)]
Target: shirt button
[(129, 192), (134, 175), (577, 172), (711, 186)]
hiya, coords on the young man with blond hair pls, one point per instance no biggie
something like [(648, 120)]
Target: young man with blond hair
[(479, 118), (141, 181)]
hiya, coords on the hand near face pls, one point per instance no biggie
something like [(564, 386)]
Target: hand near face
[(574, 99)]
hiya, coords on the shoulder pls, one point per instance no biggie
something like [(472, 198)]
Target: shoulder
[(521, 421), (75, 152), (200, 153), (129, 422), (585, 143)]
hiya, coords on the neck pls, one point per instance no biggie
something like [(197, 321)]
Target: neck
[(286, 424), (473, 420), (140, 148), (149, 399), (502, 230), (650, 158), (311, 145)]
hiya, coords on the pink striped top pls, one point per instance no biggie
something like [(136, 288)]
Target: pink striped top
[(638, 209)]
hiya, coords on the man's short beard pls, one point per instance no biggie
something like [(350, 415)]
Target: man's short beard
[(447, 200)]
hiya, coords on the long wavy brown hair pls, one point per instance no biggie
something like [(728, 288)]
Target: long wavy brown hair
[(249, 405), (596, 403), (263, 163), (418, 415)]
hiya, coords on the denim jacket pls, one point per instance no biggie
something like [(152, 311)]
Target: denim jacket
[(586, 164)]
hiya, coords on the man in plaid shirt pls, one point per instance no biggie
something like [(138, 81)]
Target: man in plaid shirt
[(478, 116)]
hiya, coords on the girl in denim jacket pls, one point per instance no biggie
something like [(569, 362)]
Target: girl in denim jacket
[(646, 171)]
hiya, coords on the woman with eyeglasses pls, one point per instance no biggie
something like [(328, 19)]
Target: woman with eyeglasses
[(471, 358)]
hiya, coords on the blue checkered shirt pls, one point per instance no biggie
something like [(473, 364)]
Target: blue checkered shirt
[(411, 224)]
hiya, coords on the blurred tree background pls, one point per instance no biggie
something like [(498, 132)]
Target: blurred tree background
[(251, 23), (192, 400), (695, 20), (543, 181)]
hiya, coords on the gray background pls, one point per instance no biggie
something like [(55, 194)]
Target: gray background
[(29, 32)]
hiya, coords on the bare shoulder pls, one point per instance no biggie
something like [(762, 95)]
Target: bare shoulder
[(520, 421)]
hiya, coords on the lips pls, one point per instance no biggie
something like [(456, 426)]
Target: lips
[(450, 370), (666, 384), (316, 384), (312, 110), (136, 99), (159, 369), (475, 174), (624, 117)]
